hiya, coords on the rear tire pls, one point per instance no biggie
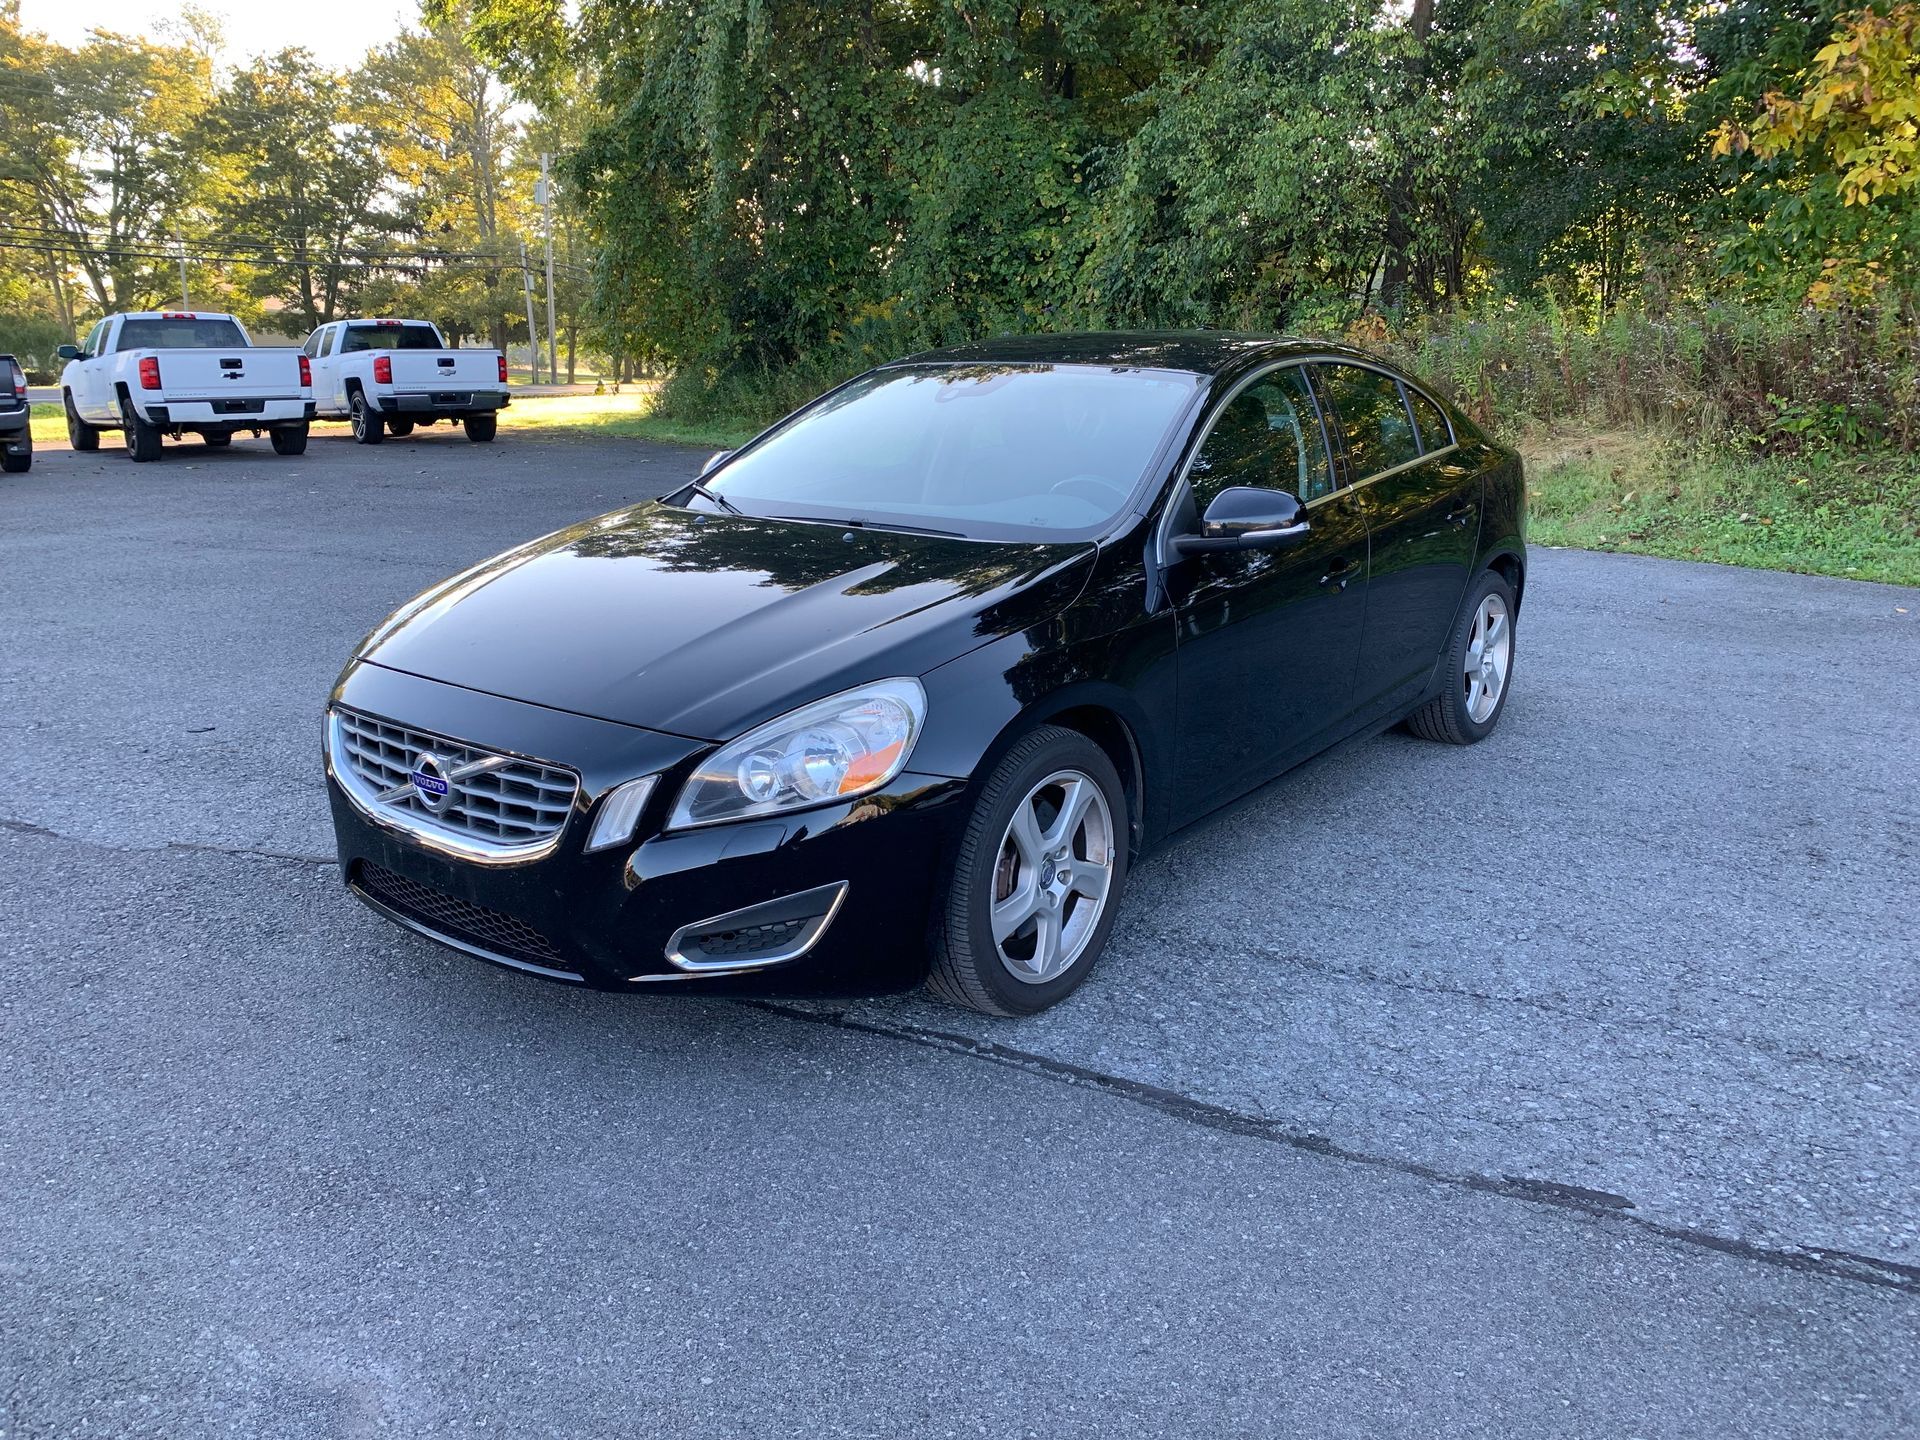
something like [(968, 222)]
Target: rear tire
[(1477, 668), (217, 441), (289, 439), (399, 428), (368, 427), (480, 428), (143, 440), (18, 464), (80, 434), (1037, 879)]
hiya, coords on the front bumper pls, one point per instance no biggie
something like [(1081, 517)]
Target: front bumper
[(443, 402), (613, 920)]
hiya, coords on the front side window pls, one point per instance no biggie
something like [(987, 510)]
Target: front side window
[(994, 451), (1372, 418), (95, 337), (1268, 436), (163, 332)]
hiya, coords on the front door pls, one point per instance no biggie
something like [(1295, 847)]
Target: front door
[(1423, 514), (1268, 639)]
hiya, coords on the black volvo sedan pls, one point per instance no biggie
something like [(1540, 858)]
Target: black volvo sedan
[(898, 691)]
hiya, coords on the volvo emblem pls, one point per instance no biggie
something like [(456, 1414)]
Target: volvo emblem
[(429, 779)]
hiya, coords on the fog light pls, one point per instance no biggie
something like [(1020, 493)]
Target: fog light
[(620, 812)]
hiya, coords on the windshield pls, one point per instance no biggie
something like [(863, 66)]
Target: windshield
[(391, 335), (177, 332), (988, 451)]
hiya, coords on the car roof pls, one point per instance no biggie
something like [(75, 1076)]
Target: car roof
[(1202, 352)]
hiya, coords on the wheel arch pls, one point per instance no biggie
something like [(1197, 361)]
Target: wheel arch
[(1512, 568)]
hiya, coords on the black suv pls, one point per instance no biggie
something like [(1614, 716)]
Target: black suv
[(16, 424)]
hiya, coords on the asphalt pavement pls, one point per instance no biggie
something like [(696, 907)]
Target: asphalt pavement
[(1562, 1085)]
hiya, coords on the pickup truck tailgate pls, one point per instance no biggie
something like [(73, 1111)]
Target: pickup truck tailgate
[(242, 373), (445, 369)]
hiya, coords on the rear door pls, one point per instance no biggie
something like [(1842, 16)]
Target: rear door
[(1268, 639), (1422, 509)]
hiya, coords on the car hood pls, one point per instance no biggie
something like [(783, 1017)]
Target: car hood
[(704, 625)]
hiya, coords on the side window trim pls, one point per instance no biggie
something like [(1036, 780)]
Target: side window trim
[(1180, 489)]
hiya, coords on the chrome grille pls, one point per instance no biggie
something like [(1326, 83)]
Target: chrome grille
[(497, 804)]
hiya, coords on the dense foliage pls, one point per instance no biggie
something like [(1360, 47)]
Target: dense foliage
[(774, 181), (293, 193)]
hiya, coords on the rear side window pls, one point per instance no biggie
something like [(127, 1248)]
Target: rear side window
[(1269, 436), (162, 333), (1372, 418), (391, 337), (1435, 432), (312, 347)]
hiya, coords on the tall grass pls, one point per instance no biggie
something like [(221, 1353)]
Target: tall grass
[(1779, 380)]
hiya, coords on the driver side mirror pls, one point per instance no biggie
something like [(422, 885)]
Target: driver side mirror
[(1244, 517), (67, 352), (714, 461)]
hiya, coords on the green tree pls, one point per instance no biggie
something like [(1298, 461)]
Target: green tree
[(298, 180)]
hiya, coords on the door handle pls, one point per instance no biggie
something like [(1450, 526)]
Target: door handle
[(1460, 514), (1340, 572)]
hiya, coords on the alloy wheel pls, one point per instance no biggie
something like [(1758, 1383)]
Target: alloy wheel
[(1052, 877), (1489, 656)]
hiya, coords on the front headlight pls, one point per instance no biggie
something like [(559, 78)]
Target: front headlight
[(833, 749)]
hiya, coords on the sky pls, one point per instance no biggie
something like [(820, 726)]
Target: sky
[(338, 32)]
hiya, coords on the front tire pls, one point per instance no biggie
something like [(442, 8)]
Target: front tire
[(1037, 879), (480, 428), (289, 439), (1478, 669), (80, 435), (368, 428), (143, 440)]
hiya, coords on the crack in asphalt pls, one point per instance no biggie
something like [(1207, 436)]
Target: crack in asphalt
[(1815, 1260), (190, 847), (1760, 1044)]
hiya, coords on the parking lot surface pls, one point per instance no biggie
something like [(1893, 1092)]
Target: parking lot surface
[(1565, 1084)]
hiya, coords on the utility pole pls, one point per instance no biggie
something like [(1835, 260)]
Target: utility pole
[(546, 202), (533, 335), (180, 250)]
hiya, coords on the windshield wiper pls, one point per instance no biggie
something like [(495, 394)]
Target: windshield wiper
[(853, 523), (715, 496)]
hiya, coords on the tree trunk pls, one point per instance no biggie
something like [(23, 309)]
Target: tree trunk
[(1400, 236)]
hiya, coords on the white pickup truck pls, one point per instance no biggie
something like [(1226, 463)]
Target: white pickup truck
[(179, 372), (388, 376)]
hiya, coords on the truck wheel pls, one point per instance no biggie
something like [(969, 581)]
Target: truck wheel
[(289, 439), (398, 428), (143, 440), (21, 463), (480, 427), (80, 434), (368, 428), (217, 440)]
